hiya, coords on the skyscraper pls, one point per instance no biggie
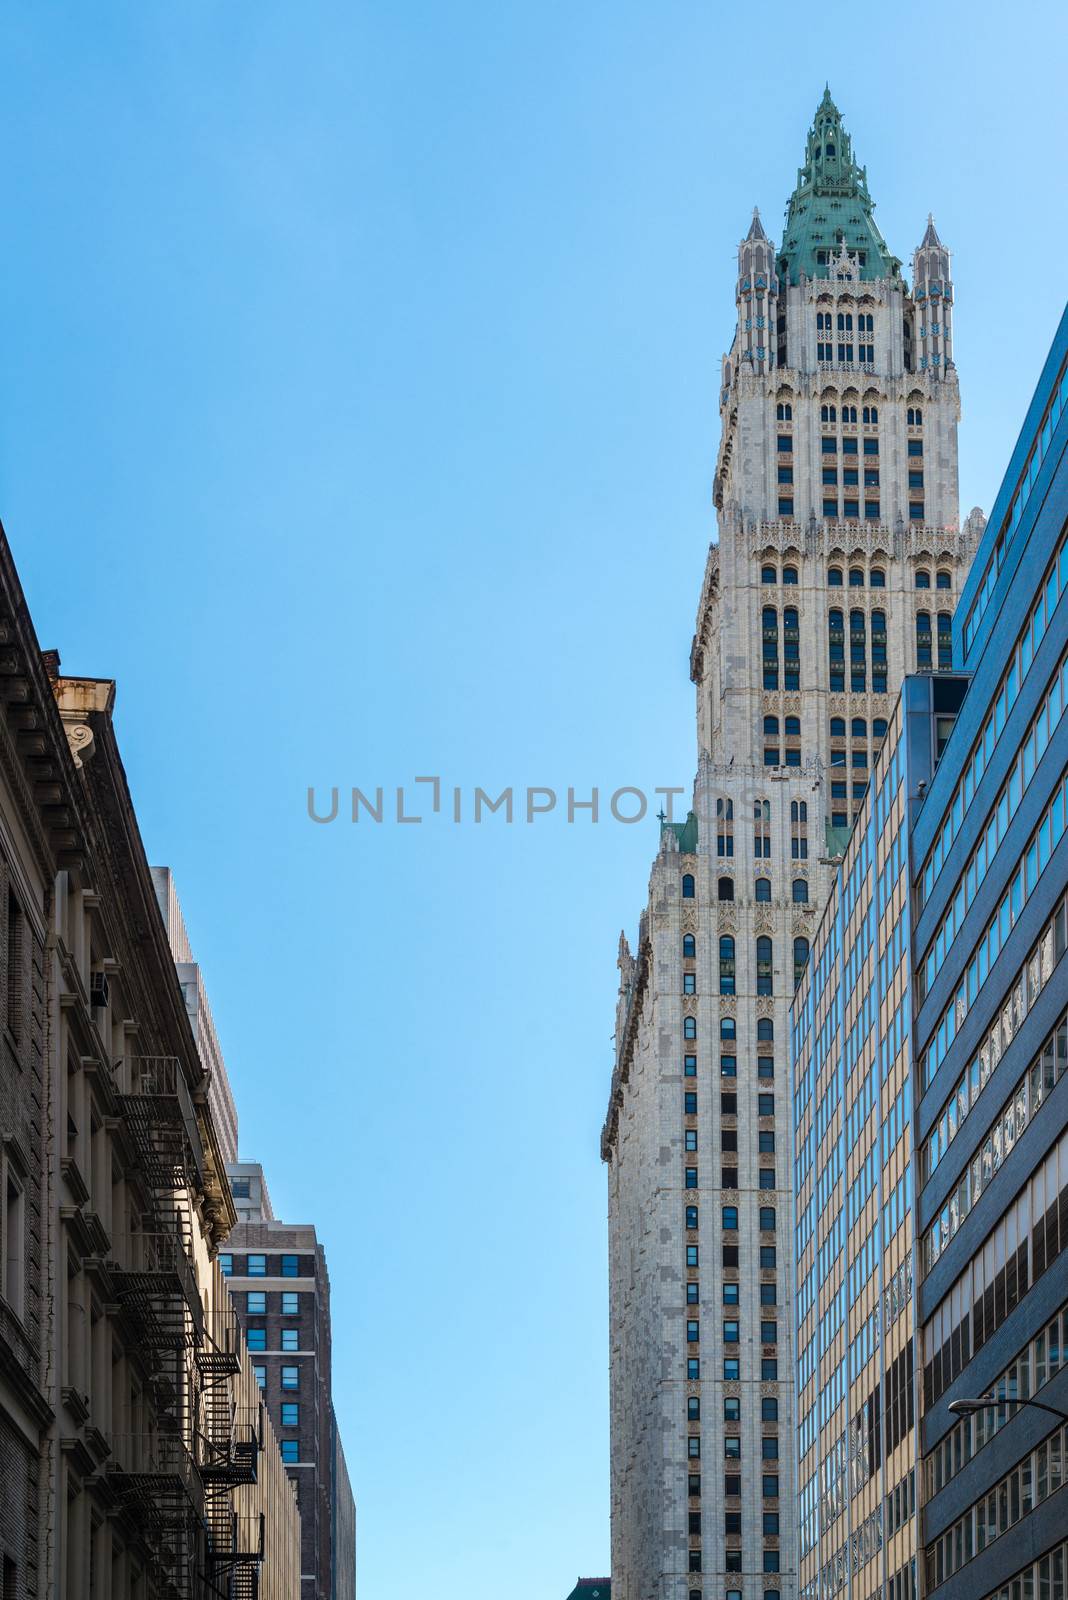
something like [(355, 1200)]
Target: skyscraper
[(839, 559), (931, 1047)]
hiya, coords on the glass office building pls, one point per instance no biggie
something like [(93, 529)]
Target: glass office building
[(930, 1043)]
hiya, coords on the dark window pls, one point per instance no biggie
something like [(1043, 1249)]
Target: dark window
[(800, 892), (764, 965), (725, 889), (289, 1266), (689, 945), (763, 888), (730, 1219), (687, 886), (691, 1218), (726, 964), (767, 1219)]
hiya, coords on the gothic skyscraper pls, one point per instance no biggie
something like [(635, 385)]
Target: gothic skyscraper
[(839, 560)]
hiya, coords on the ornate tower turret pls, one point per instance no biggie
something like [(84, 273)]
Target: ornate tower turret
[(757, 300), (932, 291)]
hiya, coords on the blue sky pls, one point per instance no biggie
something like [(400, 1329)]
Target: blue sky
[(360, 371)]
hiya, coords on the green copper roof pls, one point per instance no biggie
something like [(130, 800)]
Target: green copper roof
[(592, 1589), (831, 202), (685, 833)]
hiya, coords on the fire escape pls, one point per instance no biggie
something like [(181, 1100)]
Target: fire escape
[(174, 1481)]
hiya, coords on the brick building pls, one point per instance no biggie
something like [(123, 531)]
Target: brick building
[(281, 1291)]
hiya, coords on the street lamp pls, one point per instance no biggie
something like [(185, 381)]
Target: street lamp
[(965, 1408)]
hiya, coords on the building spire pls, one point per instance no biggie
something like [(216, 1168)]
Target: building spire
[(931, 236), (831, 204), (756, 227)]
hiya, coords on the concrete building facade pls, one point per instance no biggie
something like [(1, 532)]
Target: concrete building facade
[(931, 1047), (135, 1458), (839, 558), (281, 1291)]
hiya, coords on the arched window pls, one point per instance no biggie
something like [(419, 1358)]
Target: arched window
[(923, 579), (877, 578), (943, 579), (859, 728), (728, 1028), (793, 727), (798, 830), (856, 577), (923, 639), (866, 322), (849, 414), (765, 1028), (763, 889), (689, 1027), (878, 728), (770, 629), (870, 413), (771, 727), (769, 575), (838, 727), (914, 417), (834, 577), (724, 827), (878, 652), (725, 889), (828, 413), (945, 639), (687, 886), (762, 829), (800, 892), (763, 965), (821, 319), (784, 412), (836, 649), (791, 649), (726, 964), (800, 959), (858, 651), (689, 945), (789, 574)]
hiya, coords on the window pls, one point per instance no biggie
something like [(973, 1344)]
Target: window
[(226, 1263), (923, 580), (870, 414), (786, 504), (732, 1410), (689, 1027), (767, 1177), (290, 1414), (289, 1266), (798, 830), (687, 886), (765, 1067), (770, 574), (730, 1219), (765, 1028), (769, 1410), (789, 574), (689, 1066), (731, 1368), (256, 1303), (799, 892), (770, 646), (762, 829), (915, 510), (791, 648), (726, 964), (916, 482), (769, 1369), (763, 964), (769, 1448), (728, 1066), (290, 1377), (290, 1451), (849, 447), (829, 445), (693, 1370), (257, 1267), (732, 1447), (256, 1338), (289, 1303), (240, 1188), (693, 1447), (13, 1242), (290, 1339), (692, 1256), (689, 1102), (763, 889), (878, 577), (784, 411), (836, 649), (769, 1486), (260, 1375), (915, 447), (914, 417), (923, 639), (767, 1219), (689, 983), (800, 959), (693, 1332), (725, 889), (765, 1105), (771, 1560), (767, 1255), (834, 575), (766, 1143), (943, 579), (691, 1218), (694, 1562), (856, 578), (689, 945), (945, 640), (691, 1178), (693, 1294), (731, 1291), (724, 827), (728, 1028), (786, 444)]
